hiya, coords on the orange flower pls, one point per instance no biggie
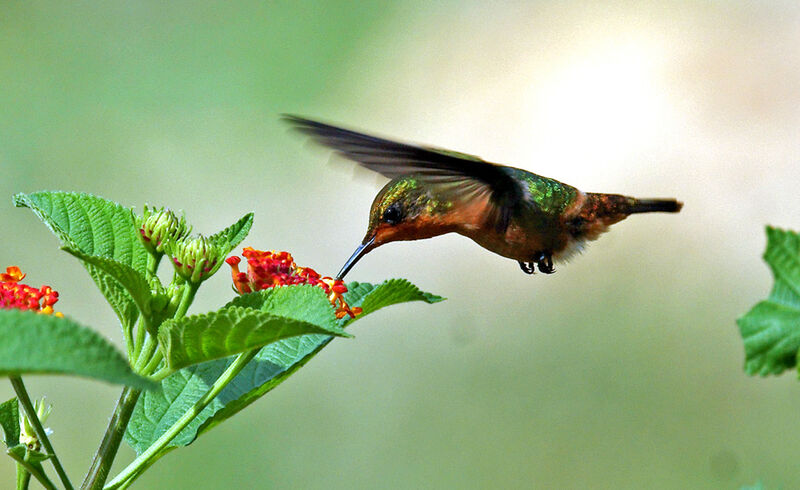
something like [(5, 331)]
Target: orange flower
[(14, 295), (12, 274), (270, 269)]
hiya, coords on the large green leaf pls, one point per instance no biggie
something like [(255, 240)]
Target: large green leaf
[(236, 329), (9, 421), (94, 227), (157, 410), (771, 329), (36, 343), (90, 224), (300, 302)]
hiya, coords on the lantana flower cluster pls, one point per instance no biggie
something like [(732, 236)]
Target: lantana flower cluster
[(271, 269), (18, 296)]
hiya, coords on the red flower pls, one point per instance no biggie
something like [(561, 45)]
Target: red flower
[(14, 295), (270, 269)]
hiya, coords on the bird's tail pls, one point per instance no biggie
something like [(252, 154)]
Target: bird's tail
[(654, 206), (599, 211)]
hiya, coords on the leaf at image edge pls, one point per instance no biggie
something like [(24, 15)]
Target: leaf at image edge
[(45, 344), (9, 421), (771, 329)]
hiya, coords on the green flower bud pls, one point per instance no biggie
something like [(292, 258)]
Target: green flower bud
[(197, 259), (27, 434), (158, 227)]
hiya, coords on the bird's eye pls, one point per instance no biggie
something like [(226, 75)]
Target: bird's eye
[(393, 214)]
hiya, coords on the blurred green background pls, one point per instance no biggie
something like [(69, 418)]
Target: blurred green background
[(622, 370)]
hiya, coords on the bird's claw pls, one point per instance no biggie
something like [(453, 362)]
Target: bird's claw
[(545, 263), (527, 267)]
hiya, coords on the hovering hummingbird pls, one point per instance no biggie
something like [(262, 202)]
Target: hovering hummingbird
[(532, 219)]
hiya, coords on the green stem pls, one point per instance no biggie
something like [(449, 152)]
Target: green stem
[(129, 345), (141, 333), (23, 477), (133, 469), (33, 470), (186, 301), (161, 373), (145, 354), (27, 406), (152, 264), (101, 464), (152, 364)]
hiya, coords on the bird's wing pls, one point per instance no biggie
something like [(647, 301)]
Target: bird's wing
[(466, 176)]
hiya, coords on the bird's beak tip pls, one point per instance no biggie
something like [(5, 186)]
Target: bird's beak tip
[(362, 250)]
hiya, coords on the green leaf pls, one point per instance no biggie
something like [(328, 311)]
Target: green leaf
[(94, 227), (89, 224), (234, 234), (132, 281), (299, 302), (390, 292), (771, 329), (231, 330), (118, 298), (157, 410), (9, 421), (36, 343)]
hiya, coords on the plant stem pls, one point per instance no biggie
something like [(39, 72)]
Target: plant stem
[(161, 373), (133, 469), (101, 464), (30, 411), (186, 301), (23, 477), (145, 354), (153, 363)]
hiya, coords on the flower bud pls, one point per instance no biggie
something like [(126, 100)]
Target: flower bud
[(27, 434), (196, 259), (158, 227)]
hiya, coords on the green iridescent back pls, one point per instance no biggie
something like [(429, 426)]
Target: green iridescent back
[(549, 196)]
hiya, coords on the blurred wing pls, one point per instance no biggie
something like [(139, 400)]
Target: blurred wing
[(464, 177)]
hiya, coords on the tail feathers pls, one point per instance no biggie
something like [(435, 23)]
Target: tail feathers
[(655, 205)]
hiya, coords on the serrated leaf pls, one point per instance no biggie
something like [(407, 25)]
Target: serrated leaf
[(157, 410), (118, 298), (392, 291), (229, 331), (90, 224), (132, 281), (234, 234), (771, 329), (95, 227), (299, 302), (45, 344), (9, 421)]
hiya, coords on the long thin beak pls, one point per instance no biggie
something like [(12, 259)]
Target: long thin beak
[(360, 252)]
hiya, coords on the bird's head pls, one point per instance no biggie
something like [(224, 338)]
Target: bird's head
[(405, 209)]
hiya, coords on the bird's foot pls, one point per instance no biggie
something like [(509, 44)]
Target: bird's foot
[(545, 262), (527, 267)]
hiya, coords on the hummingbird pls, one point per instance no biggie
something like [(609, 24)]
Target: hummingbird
[(514, 213)]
